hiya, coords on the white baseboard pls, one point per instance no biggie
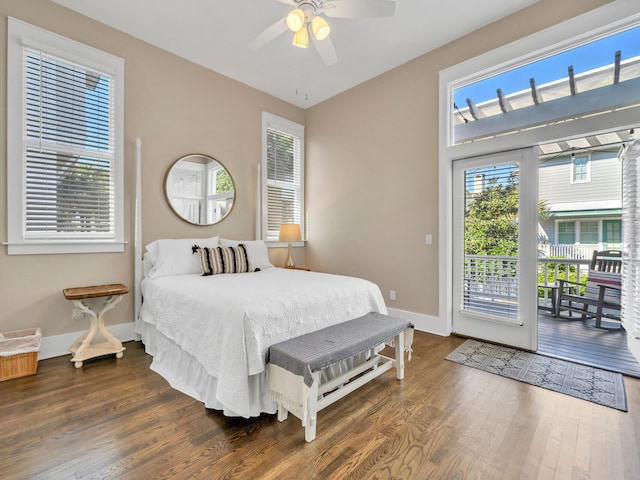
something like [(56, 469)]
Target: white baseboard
[(58, 345), (422, 322)]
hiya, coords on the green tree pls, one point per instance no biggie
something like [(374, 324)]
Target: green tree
[(223, 181), (491, 221)]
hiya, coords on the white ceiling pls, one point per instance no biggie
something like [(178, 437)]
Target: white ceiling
[(216, 34)]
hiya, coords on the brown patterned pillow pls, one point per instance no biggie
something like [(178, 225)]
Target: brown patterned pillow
[(216, 260)]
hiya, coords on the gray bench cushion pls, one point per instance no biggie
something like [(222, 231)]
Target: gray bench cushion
[(316, 350)]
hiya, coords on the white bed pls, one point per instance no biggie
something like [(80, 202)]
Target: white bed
[(209, 335)]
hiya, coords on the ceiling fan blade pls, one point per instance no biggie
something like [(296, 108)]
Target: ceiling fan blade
[(326, 50), (359, 8), (271, 33)]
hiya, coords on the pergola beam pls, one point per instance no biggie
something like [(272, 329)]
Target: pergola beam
[(505, 106), (616, 68), (535, 93), (572, 81)]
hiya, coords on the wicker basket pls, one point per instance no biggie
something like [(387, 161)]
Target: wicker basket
[(19, 364)]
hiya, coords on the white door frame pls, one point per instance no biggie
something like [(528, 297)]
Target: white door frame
[(609, 16), (522, 331)]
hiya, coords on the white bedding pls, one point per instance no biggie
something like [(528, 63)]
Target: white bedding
[(220, 327)]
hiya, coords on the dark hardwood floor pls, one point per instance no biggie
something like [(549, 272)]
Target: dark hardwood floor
[(116, 419), (580, 341)]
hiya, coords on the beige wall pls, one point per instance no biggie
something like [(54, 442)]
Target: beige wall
[(175, 107), (371, 174), (372, 166)]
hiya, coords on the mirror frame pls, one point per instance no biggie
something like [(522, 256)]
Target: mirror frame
[(208, 159)]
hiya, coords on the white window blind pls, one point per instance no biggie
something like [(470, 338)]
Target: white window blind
[(283, 167), (64, 145), (69, 184), (631, 240)]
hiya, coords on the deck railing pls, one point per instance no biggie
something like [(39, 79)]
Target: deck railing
[(491, 283), (577, 252)]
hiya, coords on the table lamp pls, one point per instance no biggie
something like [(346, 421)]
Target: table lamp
[(290, 232)]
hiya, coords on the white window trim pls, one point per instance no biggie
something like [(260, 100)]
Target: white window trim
[(573, 169), (293, 128), (611, 17), (19, 35)]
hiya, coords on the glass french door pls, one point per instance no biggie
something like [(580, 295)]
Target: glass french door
[(495, 248)]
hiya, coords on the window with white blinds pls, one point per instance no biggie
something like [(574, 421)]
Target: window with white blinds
[(66, 159), (282, 175)]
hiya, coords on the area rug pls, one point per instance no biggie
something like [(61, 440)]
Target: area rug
[(581, 381)]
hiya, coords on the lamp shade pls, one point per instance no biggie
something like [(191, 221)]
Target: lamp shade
[(320, 28), (295, 20), (301, 38), (290, 232)]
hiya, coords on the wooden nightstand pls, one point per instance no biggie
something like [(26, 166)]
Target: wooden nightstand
[(298, 268), (82, 348)]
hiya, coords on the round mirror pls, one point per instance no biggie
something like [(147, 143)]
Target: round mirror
[(199, 189)]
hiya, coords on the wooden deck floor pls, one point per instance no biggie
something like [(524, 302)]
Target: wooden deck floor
[(583, 343)]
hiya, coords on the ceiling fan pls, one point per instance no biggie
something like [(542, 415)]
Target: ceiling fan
[(306, 19)]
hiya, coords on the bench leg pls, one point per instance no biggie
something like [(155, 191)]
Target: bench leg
[(283, 413), (399, 343), (312, 409)]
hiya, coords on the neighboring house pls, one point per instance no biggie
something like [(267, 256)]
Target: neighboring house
[(583, 195)]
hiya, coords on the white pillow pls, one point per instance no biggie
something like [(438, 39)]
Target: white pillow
[(256, 251), (173, 256)]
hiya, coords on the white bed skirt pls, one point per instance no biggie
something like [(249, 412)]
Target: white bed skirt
[(187, 375)]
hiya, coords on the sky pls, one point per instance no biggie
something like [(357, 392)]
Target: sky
[(583, 59)]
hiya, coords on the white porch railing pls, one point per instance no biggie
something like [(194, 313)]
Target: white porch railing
[(491, 283), (577, 252)]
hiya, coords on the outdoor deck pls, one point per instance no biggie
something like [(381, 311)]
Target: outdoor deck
[(581, 342), (491, 286)]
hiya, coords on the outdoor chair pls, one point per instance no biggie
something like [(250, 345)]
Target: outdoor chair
[(601, 297)]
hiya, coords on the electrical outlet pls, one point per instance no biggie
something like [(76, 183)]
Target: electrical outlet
[(428, 239), (392, 295)]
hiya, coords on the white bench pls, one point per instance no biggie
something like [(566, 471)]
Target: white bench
[(294, 368)]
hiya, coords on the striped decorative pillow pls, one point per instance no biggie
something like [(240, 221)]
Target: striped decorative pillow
[(216, 260), (608, 279)]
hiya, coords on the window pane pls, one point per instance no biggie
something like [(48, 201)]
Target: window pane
[(589, 232), (478, 108), (283, 172), (490, 277), (566, 232), (580, 166), (67, 108)]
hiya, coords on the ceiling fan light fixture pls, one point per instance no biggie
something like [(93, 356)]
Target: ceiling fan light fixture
[(301, 38), (320, 28), (295, 20)]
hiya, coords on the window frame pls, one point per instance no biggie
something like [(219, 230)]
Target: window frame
[(271, 121), (21, 35), (587, 166)]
